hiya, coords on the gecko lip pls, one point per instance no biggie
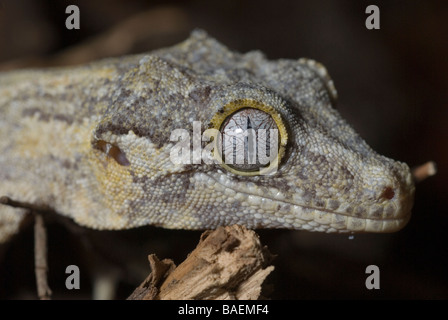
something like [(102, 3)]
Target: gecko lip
[(377, 218)]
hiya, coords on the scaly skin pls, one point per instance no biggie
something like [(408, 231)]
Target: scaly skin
[(93, 143)]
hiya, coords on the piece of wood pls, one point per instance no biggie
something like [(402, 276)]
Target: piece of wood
[(424, 171), (40, 258), (148, 290), (228, 263)]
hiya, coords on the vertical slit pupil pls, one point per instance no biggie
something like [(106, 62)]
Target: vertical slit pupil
[(241, 136)]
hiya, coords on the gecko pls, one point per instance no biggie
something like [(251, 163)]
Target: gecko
[(94, 143)]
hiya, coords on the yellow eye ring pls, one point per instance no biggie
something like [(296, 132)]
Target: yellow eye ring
[(232, 108)]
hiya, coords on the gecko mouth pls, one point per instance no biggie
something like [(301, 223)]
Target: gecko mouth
[(280, 212)]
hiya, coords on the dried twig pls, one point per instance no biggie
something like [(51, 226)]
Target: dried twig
[(19, 204), (40, 258), (424, 171)]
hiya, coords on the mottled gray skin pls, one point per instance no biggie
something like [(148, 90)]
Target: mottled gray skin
[(93, 143)]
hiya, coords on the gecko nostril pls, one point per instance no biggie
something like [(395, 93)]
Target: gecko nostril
[(388, 193)]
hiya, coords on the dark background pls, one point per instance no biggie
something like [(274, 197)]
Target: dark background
[(393, 88)]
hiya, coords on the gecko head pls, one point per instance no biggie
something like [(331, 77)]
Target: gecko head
[(324, 176)]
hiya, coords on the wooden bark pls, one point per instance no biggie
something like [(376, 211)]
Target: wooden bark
[(228, 263)]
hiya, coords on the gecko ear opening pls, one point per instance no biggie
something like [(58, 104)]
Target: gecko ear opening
[(112, 151)]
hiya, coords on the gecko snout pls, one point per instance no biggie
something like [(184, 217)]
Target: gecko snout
[(397, 193)]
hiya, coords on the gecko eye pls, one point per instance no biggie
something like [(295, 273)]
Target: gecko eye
[(252, 137)]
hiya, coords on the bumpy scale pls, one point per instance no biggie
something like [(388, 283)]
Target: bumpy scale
[(93, 143)]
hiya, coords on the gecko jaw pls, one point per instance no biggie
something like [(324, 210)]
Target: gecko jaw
[(380, 218)]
